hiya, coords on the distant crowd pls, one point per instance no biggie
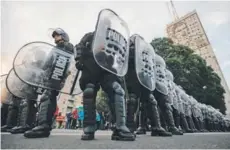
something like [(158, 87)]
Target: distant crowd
[(74, 120)]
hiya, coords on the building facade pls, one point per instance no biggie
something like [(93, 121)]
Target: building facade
[(67, 103), (188, 31)]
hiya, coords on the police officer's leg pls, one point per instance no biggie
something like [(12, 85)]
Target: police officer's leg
[(192, 123), (4, 113), (153, 115), (184, 123), (20, 119), (176, 116), (133, 88), (167, 113), (201, 124), (111, 85), (132, 103), (196, 123), (89, 104), (142, 118), (27, 118), (158, 96), (46, 112), (12, 117)]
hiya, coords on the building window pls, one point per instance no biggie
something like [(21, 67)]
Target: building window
[(69, 109)]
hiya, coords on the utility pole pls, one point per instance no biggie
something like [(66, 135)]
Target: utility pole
[(172, 11)]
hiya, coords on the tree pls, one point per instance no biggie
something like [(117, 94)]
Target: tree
[(102, 102), (191, 72)]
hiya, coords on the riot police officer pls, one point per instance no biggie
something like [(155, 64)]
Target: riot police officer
[(13, 114), (162, 96), (103, 58), (184, 123), (140, 81), (93, 76), (48, 100)]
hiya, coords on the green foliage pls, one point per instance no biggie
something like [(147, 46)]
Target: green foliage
[(102, 102), (191, 72)]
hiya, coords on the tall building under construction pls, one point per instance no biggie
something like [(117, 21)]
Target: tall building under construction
[(188, 31)]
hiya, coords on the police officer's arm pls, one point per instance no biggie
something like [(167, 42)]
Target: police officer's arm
[(83, 44), (69, 47)]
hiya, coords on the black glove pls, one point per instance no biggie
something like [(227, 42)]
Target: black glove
[(79, 65)]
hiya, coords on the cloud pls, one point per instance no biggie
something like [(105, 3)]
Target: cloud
[(218, 18), (226, 65), (23, 22)]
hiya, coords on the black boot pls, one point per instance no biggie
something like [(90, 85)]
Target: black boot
[(88, 132), (170, 121), (89, 104), (38, 132), (45, 115), (121, 132), (153, 114), (142, 120)]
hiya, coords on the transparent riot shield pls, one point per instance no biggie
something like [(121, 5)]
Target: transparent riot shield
[(185, 100), (43, 65), (194, 107), (175, 100), (180, 107), (161, 81), (145, 63), (19, 88), (6, 96), (186, 108), (111, 43), (170, 92)]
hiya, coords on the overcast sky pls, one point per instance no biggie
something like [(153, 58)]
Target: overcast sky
[(23, 22)]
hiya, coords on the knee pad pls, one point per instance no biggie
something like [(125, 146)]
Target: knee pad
[(152, 99), (45, 96), (118, 89), (89, 105), (132, 99), (89, 91), (168, 107)]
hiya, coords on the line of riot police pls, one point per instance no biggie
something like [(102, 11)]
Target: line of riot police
[(139, 86)]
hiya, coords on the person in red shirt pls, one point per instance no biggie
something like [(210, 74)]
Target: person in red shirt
[(74, 118), (60, 119)]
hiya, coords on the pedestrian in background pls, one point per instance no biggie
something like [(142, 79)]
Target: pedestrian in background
[(68, 120), (74, 118), (60, 119)]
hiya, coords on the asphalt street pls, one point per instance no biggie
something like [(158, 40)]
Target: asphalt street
[(70, 139)]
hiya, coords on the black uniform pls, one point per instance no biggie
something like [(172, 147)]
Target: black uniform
[(48, 103), (93, 76), (148, 103)]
